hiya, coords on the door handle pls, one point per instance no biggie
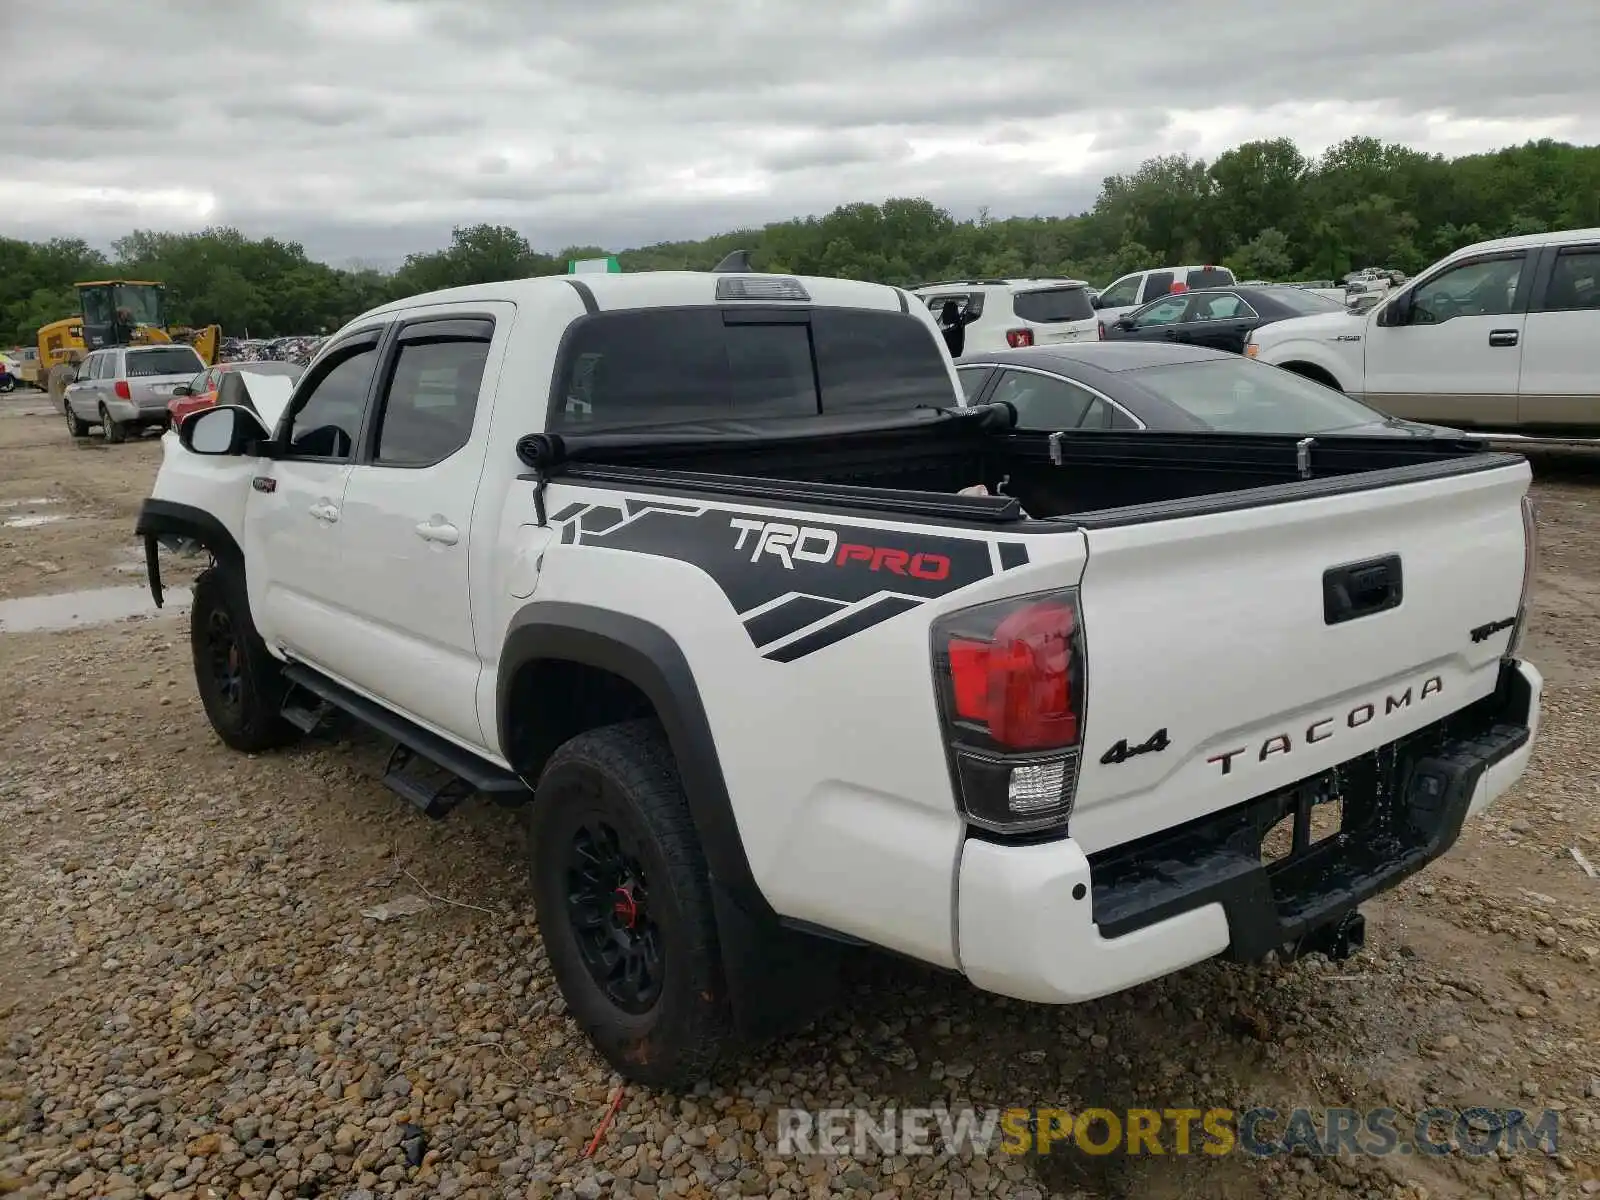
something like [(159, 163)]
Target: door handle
[(1502, 337), (325, 510), (437, 529)]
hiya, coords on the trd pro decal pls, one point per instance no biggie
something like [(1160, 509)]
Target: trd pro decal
[(797, 585)]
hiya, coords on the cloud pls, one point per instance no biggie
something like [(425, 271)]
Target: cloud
[(369, 128)]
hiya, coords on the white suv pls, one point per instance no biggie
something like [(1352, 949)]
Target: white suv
[(1000, 314)]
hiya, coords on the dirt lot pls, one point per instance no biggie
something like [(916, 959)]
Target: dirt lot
[(193, 1005)]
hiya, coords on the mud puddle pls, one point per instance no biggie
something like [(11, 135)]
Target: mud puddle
[(94, 606)]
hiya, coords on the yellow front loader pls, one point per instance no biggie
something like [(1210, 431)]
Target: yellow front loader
[(114, 312)]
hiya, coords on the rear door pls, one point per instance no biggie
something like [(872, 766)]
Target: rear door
[(1559, 384), (1224, 631), (407, 519), (1056, 314), (1219, 320), (154, 374)]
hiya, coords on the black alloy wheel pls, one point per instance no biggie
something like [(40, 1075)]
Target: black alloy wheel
[(608, 905), (225, 657)]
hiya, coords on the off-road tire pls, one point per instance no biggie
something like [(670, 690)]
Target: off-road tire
[(624, 775), (246, 712), (112, 429)]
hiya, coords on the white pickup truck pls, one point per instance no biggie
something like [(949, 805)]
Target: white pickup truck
[(1498, 336), (691, 564)]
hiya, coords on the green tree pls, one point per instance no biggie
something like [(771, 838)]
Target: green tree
[(1265, 256)]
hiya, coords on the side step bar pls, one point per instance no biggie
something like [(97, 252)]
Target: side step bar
[(414, 746)]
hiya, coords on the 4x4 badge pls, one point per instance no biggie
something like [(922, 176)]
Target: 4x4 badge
[(1122, 752)]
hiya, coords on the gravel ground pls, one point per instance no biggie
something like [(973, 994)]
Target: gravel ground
[(192, 1003)]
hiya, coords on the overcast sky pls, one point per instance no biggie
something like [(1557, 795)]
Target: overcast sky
[(367, 128)]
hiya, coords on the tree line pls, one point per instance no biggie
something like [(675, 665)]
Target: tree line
[(1262, 208)]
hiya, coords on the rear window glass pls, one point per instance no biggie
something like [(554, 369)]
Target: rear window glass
[(1236, 395), (1304, 302), (672, 365), (1054, 304), (163, 360), (1209, 277)]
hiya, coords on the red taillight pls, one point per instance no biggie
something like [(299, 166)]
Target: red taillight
[(1011, 691), (122, 390), (1101, 326), (1018, 685), (1017, 338)]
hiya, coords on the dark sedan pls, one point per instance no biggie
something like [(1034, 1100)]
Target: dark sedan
[(1151, 385), (1220, 318)]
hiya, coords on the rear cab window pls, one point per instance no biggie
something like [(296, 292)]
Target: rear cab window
[(1209, 277), (163, 360), (665, 366), (1051, 305)]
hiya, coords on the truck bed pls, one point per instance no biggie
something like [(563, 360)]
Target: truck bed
[(1077, 480)]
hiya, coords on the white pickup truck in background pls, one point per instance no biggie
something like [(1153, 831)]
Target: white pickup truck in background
[(1500, 336), (690, 566)]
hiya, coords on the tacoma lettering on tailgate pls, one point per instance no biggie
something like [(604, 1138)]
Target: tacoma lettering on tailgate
[(1324, 728)]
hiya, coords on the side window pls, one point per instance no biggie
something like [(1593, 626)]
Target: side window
[(1226, 307), (1157, 283), (1042, 401), (1575, 281), (106, 368), (972, 381), (427, 412), (1485, 288), (1162, 312), (325, 423), (1122, 293)]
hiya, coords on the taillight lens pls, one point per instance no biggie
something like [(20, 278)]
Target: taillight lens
[(1101, 326), (1010, 680), (122, 390), (1017, 338), (1530, 568)]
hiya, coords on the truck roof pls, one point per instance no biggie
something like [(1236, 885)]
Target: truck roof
[(1559, 237), (658, 289)]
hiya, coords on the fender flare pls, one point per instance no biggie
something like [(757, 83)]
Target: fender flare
[(165, 518), (648, 657)]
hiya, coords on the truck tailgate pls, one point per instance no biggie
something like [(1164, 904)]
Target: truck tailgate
[(1223, 630)]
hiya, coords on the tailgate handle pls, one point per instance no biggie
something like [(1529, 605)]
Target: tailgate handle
[(1361, 589)]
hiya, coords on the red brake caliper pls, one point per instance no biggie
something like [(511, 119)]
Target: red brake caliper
[(626, 907)]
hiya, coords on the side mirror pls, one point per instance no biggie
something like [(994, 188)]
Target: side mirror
[(1125, 321), (225, 430), (1099, 302), (1397, 311), (183, 389)]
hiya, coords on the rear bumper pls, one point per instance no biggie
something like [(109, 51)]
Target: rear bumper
[(1051, 924)]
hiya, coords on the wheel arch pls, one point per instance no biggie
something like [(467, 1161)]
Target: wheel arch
[(1313, 371), (567, 667), (160, 519)]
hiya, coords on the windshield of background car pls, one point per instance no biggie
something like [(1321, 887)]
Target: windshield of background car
[(163, 360), (1240, 396), (671, 365), (1046, 305), (1304, 302)]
